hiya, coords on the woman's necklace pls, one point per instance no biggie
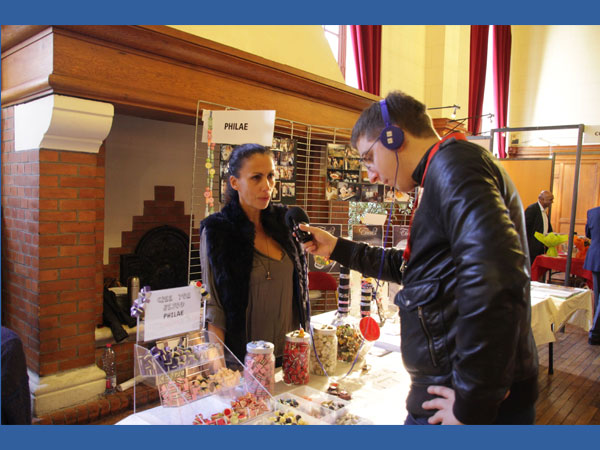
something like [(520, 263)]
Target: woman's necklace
[(267, 267)]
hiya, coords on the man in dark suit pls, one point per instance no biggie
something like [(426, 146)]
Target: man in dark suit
[(536, 219), (592, 263)]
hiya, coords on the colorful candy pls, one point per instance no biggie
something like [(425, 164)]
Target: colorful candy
[(287, 418), (259, 371), (296, 356), (349, 340), (243, 408)]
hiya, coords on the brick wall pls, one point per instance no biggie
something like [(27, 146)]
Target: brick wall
[(53, 208)]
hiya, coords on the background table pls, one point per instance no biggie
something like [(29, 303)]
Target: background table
[(544, 263), (551, 309)]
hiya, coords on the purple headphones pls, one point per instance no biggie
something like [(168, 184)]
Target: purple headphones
[(391, 137)]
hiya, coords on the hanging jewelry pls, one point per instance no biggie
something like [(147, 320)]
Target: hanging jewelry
[(209, 200), (268, 277), (267, 266)]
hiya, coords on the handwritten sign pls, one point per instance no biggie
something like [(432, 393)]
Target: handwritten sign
[(171, 312), (240, 127)]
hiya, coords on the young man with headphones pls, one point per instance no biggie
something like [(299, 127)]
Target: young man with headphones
[(465, 307)]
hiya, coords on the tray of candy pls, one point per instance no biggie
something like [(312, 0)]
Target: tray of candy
[(285, 415), (178, 388), (335, 405), (313, 409), (165, 359), (352, 419), (235, 407)]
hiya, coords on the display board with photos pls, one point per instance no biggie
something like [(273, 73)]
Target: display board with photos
[(319, 263), (346, 179), (284, 154)]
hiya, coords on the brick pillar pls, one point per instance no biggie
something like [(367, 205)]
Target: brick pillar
[(70, 277), (52, 242), (20, 237)]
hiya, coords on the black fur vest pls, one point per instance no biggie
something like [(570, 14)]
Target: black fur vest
[(230, 241)]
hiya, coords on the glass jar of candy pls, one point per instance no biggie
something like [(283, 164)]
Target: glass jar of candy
[(296, 354), (325, 348), (259, 368)]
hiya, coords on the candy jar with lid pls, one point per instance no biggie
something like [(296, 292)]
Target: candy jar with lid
[(351, 341), (296, 357), (347, 332), (323, 357), (259, 368)]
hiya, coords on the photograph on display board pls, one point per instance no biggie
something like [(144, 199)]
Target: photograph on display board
[(369, 234), (320, 263), (400, 236), (372, 193), (334, 175), (224, 151), (284, 155), (349, 192), (401, 197), (331, 191), (353, 164), (351, 176), (276, 194), (288, 192), (335, 162)]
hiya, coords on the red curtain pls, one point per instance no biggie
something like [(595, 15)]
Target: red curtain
[(502, 47), (366, 40), (477, 69)]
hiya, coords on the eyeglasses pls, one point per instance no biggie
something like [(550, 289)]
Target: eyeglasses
[(367, 158)]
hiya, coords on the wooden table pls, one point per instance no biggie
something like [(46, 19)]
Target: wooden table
[(544, 263)]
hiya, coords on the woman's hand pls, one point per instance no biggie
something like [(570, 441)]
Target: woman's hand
[(322, 243)]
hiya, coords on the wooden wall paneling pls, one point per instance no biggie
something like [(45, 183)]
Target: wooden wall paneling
[(154, 70), (529, 187), (26, 67), (588, 195)]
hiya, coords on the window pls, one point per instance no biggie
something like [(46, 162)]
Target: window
[(341, 47), (488, 106)]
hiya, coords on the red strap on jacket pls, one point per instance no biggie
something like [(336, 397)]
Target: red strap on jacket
[(436, 147)]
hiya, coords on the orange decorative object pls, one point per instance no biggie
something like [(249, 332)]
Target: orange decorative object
[(582, 244)]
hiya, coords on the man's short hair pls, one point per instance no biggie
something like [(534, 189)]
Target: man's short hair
[(405, 112)]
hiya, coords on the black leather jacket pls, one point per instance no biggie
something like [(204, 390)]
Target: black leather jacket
[(465, 306)]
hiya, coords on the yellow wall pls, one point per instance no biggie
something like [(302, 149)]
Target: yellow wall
[(554, 79), (403, 59), (431, 63), (301, 46)]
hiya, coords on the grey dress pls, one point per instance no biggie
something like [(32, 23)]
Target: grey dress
[(269, 315)]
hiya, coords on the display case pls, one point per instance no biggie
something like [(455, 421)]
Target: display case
[(200, 381)]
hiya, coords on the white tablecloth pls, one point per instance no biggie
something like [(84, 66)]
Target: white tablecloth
[(379, 395), (549, 310)]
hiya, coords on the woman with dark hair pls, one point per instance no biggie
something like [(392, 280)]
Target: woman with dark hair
[(252, 266)]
